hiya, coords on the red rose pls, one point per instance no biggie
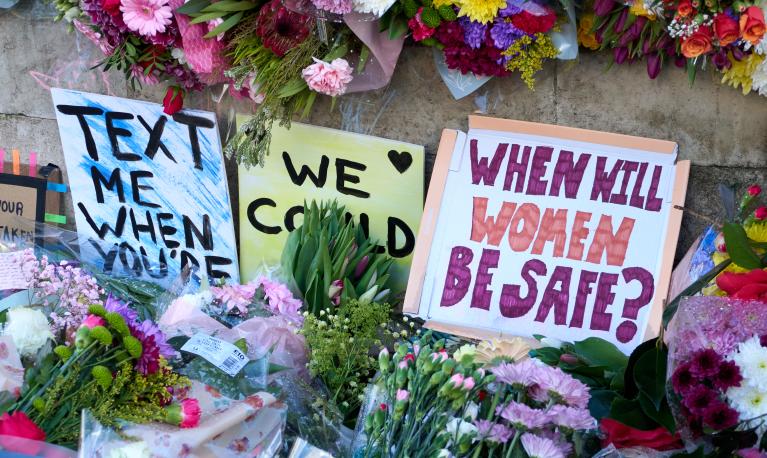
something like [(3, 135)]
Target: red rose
[(623, 436), (530, 23), (684, 8), (17, 433), (698, 43), (752, 24), (173, 101), (111, 6), (726, 28), (749, 285)]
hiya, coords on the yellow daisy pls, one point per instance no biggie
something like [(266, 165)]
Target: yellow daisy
[(638, 9), (483, 11), (440, 3), (757, 232)]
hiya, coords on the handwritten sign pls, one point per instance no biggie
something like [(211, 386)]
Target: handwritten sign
[(548, 230), (22, 203), (379, 181), (152, 186)]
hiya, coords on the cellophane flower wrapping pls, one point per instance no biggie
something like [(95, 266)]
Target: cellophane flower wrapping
[(703, 323), (251, 427)]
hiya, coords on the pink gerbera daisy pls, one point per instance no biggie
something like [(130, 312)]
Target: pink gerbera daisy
[(147, 17)]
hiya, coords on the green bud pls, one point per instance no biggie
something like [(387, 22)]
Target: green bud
[(437, 378), (133, 346), (63, 352), (117, 322), (98, 310), (39, 404), (101, 334), (448, 366), (102, 375), (82, 337), (379, 417)]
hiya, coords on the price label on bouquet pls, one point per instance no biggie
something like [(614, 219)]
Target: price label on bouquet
[(547, 230), (149, 190), (221, 354)]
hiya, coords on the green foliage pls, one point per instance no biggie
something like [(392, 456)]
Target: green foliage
[(739, 248), (101, 334), (447, 13), (341, 346), (140, 294), (330, 259), (430, 17), (409, 8), (231, 11)]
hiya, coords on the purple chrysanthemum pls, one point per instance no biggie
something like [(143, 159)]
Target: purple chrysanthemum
[(512, 7), (154, 346), (682, 379), (699, 398), (504, 33), (571, 417), (521, 416), (553, 383), (705, 363), (473, 32), (493, 432), (115, 305), (515, 374)]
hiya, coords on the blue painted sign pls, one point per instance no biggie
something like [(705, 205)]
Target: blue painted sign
[(149, 190)]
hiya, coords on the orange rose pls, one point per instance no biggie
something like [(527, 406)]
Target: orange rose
[(726, 29), (752, 24), (684, 8), (698, 43)]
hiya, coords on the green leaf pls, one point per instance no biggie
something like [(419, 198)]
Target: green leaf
[(660, 414), (229, 6), (226, 25), (599, 352), (738, 248), (600, 402), (629, 412), (192, 6), (292, 87), (397, 28), (548, 355), (691, 70), (650, 376), (207, 17)]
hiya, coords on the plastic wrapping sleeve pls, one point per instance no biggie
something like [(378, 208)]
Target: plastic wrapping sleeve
[(19, 447), (566, 39), (310, 415), (633, 452), (374, 396), (252, 427)]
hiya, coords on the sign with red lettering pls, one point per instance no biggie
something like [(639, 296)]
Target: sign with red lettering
[(531, 229)]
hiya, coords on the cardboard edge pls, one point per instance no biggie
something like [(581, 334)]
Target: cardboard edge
[(573, 133), (669, 249), (463, 331), (412, 303)]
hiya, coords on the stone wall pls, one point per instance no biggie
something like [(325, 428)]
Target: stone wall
[(723, 132)]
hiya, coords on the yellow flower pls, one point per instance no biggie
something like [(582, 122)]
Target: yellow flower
[(440, 3), (515, 349), (586, 37), (638, 9), (480, 10), (757, 232), (527, 56), (465, 350), (718, 257), (739, 75)]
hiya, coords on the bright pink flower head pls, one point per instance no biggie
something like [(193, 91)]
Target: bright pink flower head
[(382, 406), (409, 358), (420, 30), (185, 414), (328, 78), (719, 243), (235, 297), (760, 213), (468, 383), (146, 17), (456, 380), (403, 395), (439, 357), (91, 321), (754, 190)]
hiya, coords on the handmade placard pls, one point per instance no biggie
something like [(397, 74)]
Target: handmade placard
[(149, 190), (379, 181), (22, 204), (532, 229)]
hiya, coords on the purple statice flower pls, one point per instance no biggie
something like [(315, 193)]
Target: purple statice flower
[(522, 416), (473, 32), (504, 33), (571, 417), (115, 305), (154, 346)]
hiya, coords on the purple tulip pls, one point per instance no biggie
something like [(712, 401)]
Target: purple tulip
[(647, 47), (737, 54), (721, 61), (664, 41), (603, 7), (361, 266), (621, 22), (600, 33), (620, 54), (680, 61), (653, 65), (636, 28)]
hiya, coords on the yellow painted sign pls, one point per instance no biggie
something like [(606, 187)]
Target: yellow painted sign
[(379, 181)]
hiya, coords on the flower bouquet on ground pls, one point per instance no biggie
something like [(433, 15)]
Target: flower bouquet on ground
[(429, 403)]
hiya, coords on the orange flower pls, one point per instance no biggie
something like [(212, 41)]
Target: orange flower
[(752, 24), (684, 8), (698, 43), (726, 28)]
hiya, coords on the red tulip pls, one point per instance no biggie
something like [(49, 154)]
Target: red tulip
[(173, 101)]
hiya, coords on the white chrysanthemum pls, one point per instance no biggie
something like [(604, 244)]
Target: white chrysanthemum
[(377, 7), (759, 77), (748, 401), (751, 357), (131, 450), (29, 330)]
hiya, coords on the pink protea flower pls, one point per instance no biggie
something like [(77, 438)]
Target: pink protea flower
[(328, 78), (185, 415), (146, 17)]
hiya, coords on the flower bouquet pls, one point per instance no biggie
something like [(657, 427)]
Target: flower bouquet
[(429, 403), (717, 367)]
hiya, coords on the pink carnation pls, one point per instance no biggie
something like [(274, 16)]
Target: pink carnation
[(235, 296), (147, 17), (92, 321), (280, 300), (328, 78), (420, 30)]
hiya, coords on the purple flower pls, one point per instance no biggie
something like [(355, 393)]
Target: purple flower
[(512, 7), (154, 346), (522, 416), (699, 398), (728, 375), (504, 33), (540, 447), (572, 418), (493, 432), (682, 379), (515, 374), (473, 32), (555, 384), (720, 416), (705, 363), (115, 305)]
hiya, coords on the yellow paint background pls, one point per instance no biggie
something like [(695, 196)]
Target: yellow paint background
[(391, 193)]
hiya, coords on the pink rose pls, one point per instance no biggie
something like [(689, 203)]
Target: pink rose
[(328, 78)]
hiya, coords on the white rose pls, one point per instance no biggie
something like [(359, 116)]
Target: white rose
[(463, 427), (471, 411), (29, 330)]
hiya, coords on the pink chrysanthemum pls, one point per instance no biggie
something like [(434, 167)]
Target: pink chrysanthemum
[(519, 374), (146, 17), (571, 417), (553, 383), (523, 417), (540, 447), (154, 345)]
